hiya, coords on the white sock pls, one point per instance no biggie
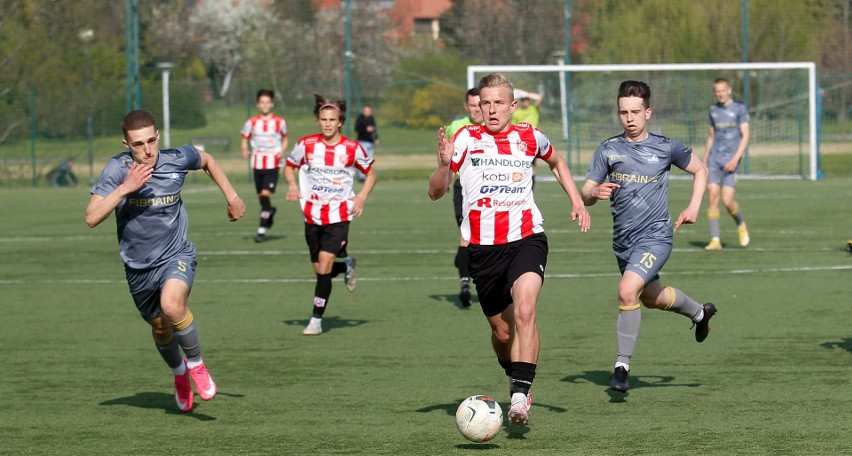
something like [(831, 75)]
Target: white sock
[(624, 365), (180, 370), (261, 230), (193, 363), (699, 317)]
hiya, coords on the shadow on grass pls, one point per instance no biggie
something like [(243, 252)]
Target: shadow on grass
[(601, 378), (156, 401), (266, 238), (845, 344), (477, 446), (454, 299), (328, 323)]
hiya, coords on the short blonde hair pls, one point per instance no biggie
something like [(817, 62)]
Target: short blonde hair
[(497, 80)]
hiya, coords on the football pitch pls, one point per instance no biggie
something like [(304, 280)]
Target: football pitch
[(79, 373)]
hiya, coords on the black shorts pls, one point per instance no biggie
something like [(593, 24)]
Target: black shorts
[(266, 179), (327, 238), (495, 268), (457, 201)]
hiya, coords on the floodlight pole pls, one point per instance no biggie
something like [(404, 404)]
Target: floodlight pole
[(744, 14), (347, 54), (565, 84), (166, 66), (86, 37)]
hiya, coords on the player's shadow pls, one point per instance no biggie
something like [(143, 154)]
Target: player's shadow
[(328, 323), (157, 401), (845, 344), (454, 299), (514, 431), (601, 378), (268, 238)]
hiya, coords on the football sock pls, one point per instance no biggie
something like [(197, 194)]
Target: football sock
[(170, 351), (506, 365), (337, 268), (321, 294), (735, 212), (627, 330), (463, 262), (180, 370), (187, 337), (265, 211), (194, 362), (713, 220), (683, 304), (522, 377)]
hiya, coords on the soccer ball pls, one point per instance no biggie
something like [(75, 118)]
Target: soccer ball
[(479, 418)]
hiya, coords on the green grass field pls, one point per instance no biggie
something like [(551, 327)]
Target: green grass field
[(80, 374)]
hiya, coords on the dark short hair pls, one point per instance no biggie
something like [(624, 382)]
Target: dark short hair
[(474, 92), (265, 93), (635, 89), (322, 102), (137, 120)]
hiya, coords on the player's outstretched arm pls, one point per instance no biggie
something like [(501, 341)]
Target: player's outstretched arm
[(236, 206), (559, 168), (699, 184), (100, 207), (440, 180)]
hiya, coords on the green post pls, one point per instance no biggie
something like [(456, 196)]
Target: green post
[(133, 98), (568, 81), (744, 13), (33, 134), (348, 60)]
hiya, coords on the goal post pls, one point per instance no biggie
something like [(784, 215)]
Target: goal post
[(782, 98)]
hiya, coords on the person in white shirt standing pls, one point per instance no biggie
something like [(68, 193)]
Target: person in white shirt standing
[(508, 248), (267, 134)]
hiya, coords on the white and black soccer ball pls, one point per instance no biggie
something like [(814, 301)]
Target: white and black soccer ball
[(479, 418)]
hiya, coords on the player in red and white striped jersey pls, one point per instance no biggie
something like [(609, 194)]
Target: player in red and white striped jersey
[(508, 247), (327, 162), (267, 134)]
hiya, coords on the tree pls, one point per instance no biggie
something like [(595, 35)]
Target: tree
[(506, 32)]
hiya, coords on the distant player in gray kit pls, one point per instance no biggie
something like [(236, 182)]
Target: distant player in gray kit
[(726, 145), (632, 170), (142, 187)]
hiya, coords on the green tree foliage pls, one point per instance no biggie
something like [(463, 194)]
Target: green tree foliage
[(506, 32), (427, 91), (664, 31)]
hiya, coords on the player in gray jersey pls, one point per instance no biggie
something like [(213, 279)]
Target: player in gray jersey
[(726, 144), (632, 170), (142, 187)]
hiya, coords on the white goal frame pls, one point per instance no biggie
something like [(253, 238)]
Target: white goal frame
[(562, 69)]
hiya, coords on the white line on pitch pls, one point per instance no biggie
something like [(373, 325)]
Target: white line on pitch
[(431, 278)]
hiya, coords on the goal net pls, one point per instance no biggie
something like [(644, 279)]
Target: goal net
[(579, 101)]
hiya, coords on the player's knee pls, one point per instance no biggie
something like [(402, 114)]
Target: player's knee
[(524, 313)]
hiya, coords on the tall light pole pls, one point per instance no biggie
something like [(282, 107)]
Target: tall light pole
[(166, 67), (347, 53), (86, 37)]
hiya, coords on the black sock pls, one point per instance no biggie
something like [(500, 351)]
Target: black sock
[(506, 365), (321, 294), (522, 377), (337, 268), (463, 262), (265, 208)]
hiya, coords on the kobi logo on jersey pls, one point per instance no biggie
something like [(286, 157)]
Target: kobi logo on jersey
[(495, 177), (500, 189)]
